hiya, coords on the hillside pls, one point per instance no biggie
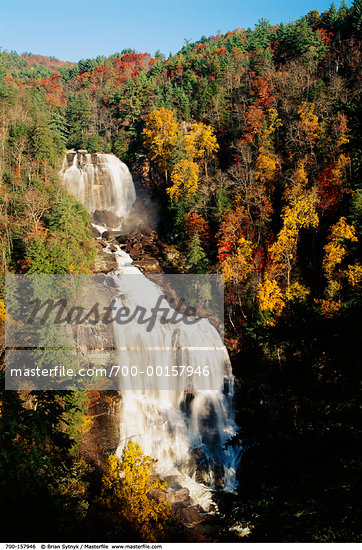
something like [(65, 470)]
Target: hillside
[(250, 145)]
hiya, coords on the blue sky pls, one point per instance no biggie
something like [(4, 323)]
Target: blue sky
[(75, 29)]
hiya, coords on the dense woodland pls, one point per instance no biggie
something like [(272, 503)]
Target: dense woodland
[(252, 145)]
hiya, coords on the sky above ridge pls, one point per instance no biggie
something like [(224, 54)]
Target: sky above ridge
[(72, 30)]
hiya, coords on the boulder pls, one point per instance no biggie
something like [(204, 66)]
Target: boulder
[(94, 232), (146, 230), (179, 496), (190, 517), (173, 482), (135, 255), (104, 262), (148, 265), (153, 249), (111, 234), (123, 237), (105, 217)]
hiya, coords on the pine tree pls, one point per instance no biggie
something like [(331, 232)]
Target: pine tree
[(79, 118), (196, 258), (330, 16)]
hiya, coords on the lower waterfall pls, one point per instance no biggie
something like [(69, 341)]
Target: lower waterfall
[(187, 431)]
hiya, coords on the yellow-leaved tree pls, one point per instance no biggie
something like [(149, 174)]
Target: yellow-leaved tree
[(201, 143), (237, 267), (270, 299), (301, 214), (161, 133), (298, 183), (335, 251), (336, 248), (134, 495), (267, 161), (185, 180), (266, 165), (309, 123), (354, 274)]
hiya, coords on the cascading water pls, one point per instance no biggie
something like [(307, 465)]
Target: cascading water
[(185, 430), (99, 182)]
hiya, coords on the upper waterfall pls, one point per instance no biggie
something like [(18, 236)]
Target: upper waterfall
[(99, 181)]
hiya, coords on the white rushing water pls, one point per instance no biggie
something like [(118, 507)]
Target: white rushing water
[(186, 430), (99, 181)]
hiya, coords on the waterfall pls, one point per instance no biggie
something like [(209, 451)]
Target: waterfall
[(99, 181), (187, 431)]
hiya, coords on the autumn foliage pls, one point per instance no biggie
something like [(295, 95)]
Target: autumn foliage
[(134, 495)]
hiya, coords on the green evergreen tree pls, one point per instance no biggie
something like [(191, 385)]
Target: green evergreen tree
[(343, 8), (329, 17), (196, 258), (69, 223), (357, 17), (79, 117)]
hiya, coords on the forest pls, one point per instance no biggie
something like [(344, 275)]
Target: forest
[(250, 143)]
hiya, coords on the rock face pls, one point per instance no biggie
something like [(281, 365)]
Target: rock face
[(141, 246), (103, 436), (105, 217)]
